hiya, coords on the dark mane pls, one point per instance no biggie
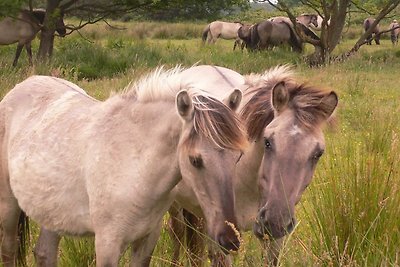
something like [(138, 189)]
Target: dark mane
[(258, 112), (304, 100), (39, 14), (307, 103)]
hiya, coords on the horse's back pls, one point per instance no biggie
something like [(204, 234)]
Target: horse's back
[(20, 29), (218, 81), (264, 30), (280, 33), (367, 24), (45, 122), (226, 30)]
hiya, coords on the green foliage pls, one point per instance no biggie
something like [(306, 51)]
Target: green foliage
[(195, 9), (10, 7)]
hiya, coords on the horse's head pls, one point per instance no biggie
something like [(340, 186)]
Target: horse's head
[(209, 149), (60, 26), (293, 144), (244, 32), (314, 20), (308, 19), (40, 15)]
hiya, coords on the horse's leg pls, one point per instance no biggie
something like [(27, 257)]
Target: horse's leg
[(194, 238), (143, 249), (176, 232), (9, 217), (108, 247), (17, 54), (46, 248), (377, 37), (28, 48)]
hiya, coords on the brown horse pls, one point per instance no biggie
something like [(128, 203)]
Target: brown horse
[(394, 31), (367, 25), (23, 29), (268, 34)]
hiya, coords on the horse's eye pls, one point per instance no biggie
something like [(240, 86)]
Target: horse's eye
[(318, 155), (267, 144), (196, 161)]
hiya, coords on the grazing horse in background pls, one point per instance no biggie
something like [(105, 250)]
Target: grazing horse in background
[(307, 20), (268, 34), (80, 166), (318, 27), (284, 122), (367, 25), (23, 29), (224, 30), (394, 28)]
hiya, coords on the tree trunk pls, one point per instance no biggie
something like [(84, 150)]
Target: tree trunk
[(48, 31)]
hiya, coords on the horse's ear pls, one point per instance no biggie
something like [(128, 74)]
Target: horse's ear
[(280, 97), (184, 105), (234, 99), (329, 103)]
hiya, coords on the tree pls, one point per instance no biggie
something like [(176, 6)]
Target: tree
[(92, 11), (336, 12)]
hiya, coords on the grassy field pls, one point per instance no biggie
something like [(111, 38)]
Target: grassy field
[(350, 214)]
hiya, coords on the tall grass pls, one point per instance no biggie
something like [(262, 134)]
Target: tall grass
[(348, 216)]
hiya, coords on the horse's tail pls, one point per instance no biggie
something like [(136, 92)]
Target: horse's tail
[(254, 37), (294, 40), (205, 33), (23, 237)]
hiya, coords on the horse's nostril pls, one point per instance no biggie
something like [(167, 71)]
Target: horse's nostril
[(291, 225), (228, 244)]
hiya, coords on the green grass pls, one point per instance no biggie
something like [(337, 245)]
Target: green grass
[(350, 214)]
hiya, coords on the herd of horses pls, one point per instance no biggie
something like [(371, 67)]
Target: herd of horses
[(269, 33), (277, 31)]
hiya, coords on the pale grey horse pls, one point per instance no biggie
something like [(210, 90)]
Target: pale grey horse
[(23, 28), (80, 166), (308, 20), (320, 20), (394, 28), (284, 121), (221, 29)]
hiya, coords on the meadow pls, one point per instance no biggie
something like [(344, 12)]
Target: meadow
[(349, 216)]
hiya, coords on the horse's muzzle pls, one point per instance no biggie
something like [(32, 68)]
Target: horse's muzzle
[(264, 229), (228, 242)]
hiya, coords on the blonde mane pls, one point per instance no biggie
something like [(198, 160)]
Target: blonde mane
[(160, 84), (212, 119)]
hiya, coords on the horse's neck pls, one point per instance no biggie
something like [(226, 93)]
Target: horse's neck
[(151, 132)]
